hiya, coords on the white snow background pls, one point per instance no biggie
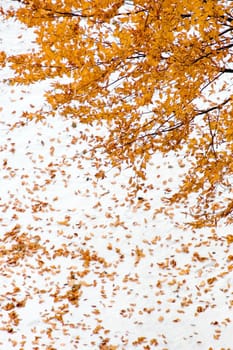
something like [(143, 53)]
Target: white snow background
[(140, 282)]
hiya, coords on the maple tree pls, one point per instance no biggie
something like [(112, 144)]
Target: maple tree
[(155, 73)]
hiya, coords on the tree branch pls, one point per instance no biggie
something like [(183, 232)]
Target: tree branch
[(205, 111)]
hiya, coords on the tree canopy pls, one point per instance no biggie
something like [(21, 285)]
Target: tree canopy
[(156, 73)]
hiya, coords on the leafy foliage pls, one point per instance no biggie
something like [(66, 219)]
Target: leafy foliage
[(157, 74)]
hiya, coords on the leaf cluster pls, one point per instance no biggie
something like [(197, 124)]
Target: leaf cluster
[(156, 74)]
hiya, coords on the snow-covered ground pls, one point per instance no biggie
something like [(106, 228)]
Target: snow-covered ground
[(83, 267)]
